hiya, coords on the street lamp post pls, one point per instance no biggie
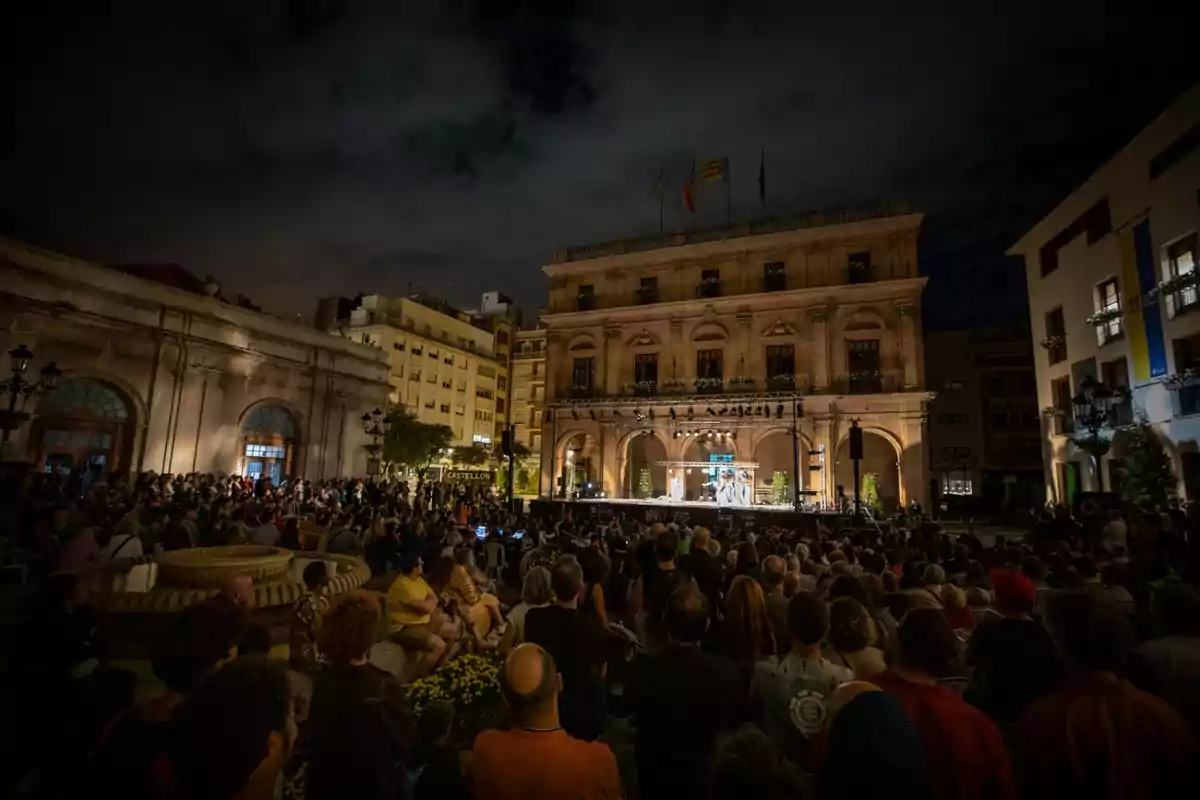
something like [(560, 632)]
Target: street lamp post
[(1093, 408), (20, 389), (376, 425)]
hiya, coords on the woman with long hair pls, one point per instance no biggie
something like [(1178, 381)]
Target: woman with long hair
[(746, 635)]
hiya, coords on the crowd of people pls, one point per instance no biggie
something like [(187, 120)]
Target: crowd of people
[(639, 660)]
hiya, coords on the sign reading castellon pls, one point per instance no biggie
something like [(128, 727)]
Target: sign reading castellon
[(726, 366), (162, 374)]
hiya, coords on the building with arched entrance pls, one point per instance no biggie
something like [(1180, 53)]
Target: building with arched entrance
[(728, 365), (161, 374)]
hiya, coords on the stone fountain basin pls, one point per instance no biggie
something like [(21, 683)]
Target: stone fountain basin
[(213, 567)]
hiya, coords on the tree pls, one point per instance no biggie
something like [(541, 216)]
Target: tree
[(645, 484), (779, 488), (1146, 475), (471, 455), (522, 482), (413, 443), (870, 490)]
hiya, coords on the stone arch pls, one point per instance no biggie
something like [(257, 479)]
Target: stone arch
[(90, 422), (772, 450), (882, 453), (635, 454), (269, 439), (575, 473)]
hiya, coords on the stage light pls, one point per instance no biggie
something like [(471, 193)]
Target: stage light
[(733, 434), (690, 414), (711, 413), (593, 413), (779, 411), (671, 413), (616, 412), (650, 414), (758, 411), (729, 433), (574, 414), (741, 411)]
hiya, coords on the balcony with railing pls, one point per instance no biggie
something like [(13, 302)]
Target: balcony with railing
[(865, 383), (709, 288)]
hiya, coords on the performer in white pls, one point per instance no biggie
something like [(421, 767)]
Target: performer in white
[(676, 492)]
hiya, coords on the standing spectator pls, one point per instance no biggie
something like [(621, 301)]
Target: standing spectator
[(235, 733), (774, 570), (789, 693), (1100, 736), (1169, 666), (749, 765), (852, 638), (537, 759), (576, 643), (360, 729), (1014, 658), (963, 748), (682, 699), (704, 569), (535, 593), (872, 728), (746, 635), (497, 559), (307, 615)]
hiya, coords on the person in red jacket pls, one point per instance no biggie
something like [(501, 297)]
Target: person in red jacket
[(964, 749)]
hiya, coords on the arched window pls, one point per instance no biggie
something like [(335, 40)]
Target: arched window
[(80, 398)]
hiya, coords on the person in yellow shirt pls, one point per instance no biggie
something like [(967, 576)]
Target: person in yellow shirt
[(415, 622)]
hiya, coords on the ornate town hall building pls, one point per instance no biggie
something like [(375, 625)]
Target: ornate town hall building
[(727, 365)]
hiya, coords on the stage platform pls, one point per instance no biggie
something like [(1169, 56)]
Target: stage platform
[(692, 512)]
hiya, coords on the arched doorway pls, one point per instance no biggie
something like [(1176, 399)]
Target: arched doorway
[(269, 443), (83, 424), (578, 466), (715, 452), (879, 470), (774, 482), (644, 475)]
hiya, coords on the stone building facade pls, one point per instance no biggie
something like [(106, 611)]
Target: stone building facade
[(753, 347), (529, 388), (161, 374)]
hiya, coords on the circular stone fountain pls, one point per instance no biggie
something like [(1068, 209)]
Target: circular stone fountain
[(179, 578)]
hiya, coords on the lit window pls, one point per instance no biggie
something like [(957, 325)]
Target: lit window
[(956, 486), (1108, 301)]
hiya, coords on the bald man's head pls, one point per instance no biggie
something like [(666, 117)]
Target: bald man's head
[(531, 680)]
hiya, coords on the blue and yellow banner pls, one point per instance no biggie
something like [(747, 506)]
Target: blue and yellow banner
[(1143, 320)]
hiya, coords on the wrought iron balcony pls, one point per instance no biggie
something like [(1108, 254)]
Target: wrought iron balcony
[(709, 385), (781, 383)]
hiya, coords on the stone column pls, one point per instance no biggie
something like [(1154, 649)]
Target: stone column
[(610, 366), (908, 344), (819, 371), (822, 435)]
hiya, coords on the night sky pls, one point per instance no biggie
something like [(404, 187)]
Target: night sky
[(304, 148)]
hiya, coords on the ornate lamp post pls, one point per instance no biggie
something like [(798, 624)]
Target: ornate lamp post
[(18, 388), (1093, 408), (376, 425)]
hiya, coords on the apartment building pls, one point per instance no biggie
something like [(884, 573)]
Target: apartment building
[(529, 388), (1113, 297)]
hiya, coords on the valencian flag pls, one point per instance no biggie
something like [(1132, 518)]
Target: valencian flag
[(714, 169)]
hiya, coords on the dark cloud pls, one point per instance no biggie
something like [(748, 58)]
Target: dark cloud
[(311, 146)]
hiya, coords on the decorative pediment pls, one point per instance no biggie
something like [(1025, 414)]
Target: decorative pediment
[(710, 332), (864, 319), (582, 342), (644, 339), (778, 328)]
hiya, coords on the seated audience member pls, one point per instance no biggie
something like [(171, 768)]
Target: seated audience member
[(360, 730), (681, 699), (234, 734), (307, 614), (852, 638), (193, 643), (576, 643), (963, 748), (1100, 736), (536, 759), (480, 609), (1169, 666), (749, 765), (1015, 660), (414, 618), (125, 543), (789, 693), (871, 727), (535, 593)]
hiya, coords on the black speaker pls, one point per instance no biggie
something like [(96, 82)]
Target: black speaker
[(856, 443)]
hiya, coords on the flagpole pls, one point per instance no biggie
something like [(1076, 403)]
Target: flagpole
[(662, 191)]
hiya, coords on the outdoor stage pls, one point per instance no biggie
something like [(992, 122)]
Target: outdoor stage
[(692, 512)]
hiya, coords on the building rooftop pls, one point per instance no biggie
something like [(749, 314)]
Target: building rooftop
[(756, 227)]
